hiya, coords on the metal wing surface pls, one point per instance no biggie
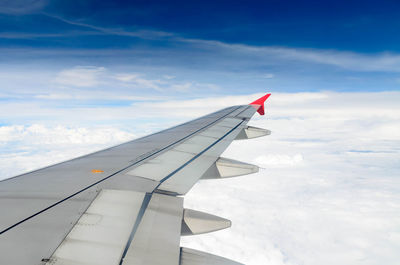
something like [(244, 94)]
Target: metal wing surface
[(124, 205)]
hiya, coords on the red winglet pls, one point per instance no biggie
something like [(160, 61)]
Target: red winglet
[(259, 104)]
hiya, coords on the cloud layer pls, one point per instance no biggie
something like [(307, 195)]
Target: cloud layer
[(328, 191), (25, 148)]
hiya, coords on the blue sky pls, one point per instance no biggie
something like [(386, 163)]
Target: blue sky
[(365, 26), (69, 55), (60, 56), (198, 48)]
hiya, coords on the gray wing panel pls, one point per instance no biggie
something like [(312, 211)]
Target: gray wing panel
[(37, 238), (40, 208)]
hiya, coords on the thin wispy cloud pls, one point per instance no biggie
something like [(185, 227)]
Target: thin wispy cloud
[(347, 60), (13, 35), (138, 33), (80, 76), (226, 67), (380, 62), (20, 7), (138, 81), (268, 76)]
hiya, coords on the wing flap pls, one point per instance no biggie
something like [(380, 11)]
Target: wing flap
[(196, 222), (227, 168), (101, 234), (157, 238), (251, 132)]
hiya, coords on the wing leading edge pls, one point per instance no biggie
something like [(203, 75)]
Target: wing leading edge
[(124, 205)]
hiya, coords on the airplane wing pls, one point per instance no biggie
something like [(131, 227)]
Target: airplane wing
[(124, 205)]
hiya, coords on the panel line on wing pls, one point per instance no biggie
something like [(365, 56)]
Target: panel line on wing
[(198, 155), (101, 233), (238, 115), (139, 218), (112, 147)]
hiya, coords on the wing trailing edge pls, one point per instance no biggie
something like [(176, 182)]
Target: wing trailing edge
[(196, 222), (227, 168), (250, 132), (195, 257)]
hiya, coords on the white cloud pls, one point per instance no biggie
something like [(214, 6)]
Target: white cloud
[(193, 87), (139, 81), (169, 76), (329, 192), (348, 60), (10, 133), (285, 160), (18, 7), (25, 148), (80, 76), (38, 134), (55, 96), (126, 77), (96, 94), (183, 87), (381, 62), (268, 76), (144, 34), (164, 85)]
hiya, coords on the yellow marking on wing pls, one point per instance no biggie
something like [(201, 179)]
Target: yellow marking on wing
[(97, 171)]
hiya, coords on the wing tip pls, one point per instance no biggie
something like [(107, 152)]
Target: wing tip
[(259, 103)]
